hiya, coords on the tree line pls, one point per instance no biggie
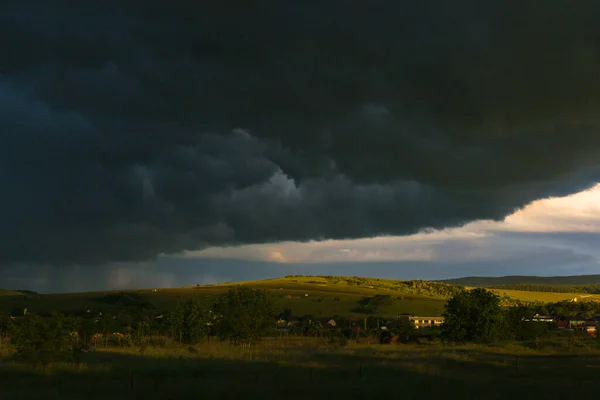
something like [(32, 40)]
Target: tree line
[(418, 287), (243, 316), (536, 287), (478, 316)]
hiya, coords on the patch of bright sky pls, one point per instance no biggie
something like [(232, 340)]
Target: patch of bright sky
[(477, 240)]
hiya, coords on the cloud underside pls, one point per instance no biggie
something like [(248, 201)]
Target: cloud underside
[(553, 224), (130, 132)]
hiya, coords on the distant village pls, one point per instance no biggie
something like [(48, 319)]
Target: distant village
[(589, 325)]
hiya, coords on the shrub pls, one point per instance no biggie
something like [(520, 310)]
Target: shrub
[(337, 338), (244, 315), (370, 305), (43, 340), (189, 321), (403, 327), (474, 316)]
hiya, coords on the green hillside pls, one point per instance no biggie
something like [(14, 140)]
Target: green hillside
[(4, 292), (479, 281), (544, 296), (317, 296)]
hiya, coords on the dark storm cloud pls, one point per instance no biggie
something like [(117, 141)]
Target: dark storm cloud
[(128, 129)]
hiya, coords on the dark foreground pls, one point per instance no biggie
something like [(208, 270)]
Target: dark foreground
[(308, 371)]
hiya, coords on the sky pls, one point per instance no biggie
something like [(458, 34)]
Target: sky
[(141, 146)]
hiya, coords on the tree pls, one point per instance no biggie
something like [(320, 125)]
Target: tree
[(139, 332), (520, 329), (189, 321), (286, 314), (86, 328), (370, 305), (474, 316), (313, 328), (43, 340), (105, 325), (404, 327), (244, 315)]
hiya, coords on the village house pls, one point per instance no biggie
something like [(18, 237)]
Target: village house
[(426, 322), (580, 323), (570, 322), (281, 323), (542, 318), (591, 330)]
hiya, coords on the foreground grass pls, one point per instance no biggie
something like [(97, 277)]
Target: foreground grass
[(298, 368)]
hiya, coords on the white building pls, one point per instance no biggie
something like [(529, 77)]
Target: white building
[(425, 322)]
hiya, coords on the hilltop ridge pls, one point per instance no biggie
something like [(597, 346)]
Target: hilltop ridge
[(305, 295), (480, 281)]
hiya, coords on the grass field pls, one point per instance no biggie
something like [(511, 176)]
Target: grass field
[(308, 368), (4, 292), (545, 297), (288, 293), (297, 367), (479, 281)]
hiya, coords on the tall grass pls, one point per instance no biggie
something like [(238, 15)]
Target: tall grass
[(294, 368)]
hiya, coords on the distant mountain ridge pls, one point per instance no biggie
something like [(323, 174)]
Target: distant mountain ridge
[(481, 281)]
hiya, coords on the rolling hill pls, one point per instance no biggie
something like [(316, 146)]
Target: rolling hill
[(319, 296), (4, 292), (479, 281)]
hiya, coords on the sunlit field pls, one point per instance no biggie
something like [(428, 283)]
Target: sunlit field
[(545, 297), (157, 366), (309, 368), (303, 295), (324, 298)]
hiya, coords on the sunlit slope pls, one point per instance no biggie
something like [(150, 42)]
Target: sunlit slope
[(480, 281), (316, 296), (546, 297), (4, 292), (303, 295)]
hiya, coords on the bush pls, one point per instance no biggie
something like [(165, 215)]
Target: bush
[(337, 338), (43, 340), (428, 333), (190, 321), (546, 343), (370, 305), (403, 327), (474, 316), (532, 330), (244, 315), (159, 342)]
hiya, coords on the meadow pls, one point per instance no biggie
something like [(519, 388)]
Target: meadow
[(295, 368), (324, 298), (544, 297), (316, 296)]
